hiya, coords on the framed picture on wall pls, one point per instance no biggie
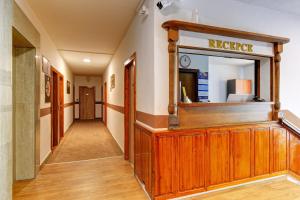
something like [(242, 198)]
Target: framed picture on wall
[(47, 89), (112, 81), (46, 66), (68, 87)]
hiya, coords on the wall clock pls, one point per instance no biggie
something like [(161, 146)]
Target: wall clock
[(185, 61)]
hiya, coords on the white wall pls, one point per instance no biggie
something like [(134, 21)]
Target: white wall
[(197, 61), (48, 49), (149, 40), (139, 38), (89, 81), (265, 82), (240, 16), (220, 72)]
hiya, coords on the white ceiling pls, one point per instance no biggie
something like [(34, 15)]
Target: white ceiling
[(85, 29), (286, 6), (96, 66), (230, 61)]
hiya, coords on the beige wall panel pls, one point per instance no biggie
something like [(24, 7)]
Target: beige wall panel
[(5, 100)]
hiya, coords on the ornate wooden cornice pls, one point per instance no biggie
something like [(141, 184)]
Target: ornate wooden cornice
[(201, 28)]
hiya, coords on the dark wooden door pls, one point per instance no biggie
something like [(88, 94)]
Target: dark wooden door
[(55, 110), (61, 107), (87, 103), (129, 109), (105, 103), (189, 80)]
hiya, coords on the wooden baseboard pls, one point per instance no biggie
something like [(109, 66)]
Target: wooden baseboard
[(216, 188), (248, 180), (294, 175), (45, 161)]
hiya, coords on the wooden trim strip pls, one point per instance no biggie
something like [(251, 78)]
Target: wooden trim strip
[(116, 108), (45, 111), (154, 121), (201, 28), (68, 104), (97, 102)]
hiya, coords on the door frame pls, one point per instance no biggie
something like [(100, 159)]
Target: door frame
[(60, 113), (195, 73), (105, 103), (62, 107), (94, 95), (130, 62)]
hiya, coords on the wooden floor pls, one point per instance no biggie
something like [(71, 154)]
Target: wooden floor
[(112, 178), (86, 140), (102, 179), (277, 189)]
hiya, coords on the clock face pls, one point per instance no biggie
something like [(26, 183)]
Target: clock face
[(185, 61)]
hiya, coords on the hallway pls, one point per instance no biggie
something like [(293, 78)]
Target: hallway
[(107, 178), (85, 140), (88, 164)]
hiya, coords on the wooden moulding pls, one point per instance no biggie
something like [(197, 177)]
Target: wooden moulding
[(173, 37), (175, 119), (45, 111), (278, 49), (198, 115), (187, 26), (117, 108)]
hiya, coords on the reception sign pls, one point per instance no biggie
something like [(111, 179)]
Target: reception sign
[(222, 43)]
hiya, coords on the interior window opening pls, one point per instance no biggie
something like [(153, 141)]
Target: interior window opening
[(222, 78)]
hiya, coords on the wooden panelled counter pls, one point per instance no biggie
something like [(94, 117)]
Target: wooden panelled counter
[(181, 162)]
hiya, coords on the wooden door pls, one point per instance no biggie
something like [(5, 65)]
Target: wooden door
[(55, 110), (105, 103), (61, 107), (241, 153), (219, 156), (86, 103), (129, 108), (262, 151), (189, 80), (131, 112)]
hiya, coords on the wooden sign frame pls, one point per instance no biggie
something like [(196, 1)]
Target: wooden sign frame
[(173, 27)]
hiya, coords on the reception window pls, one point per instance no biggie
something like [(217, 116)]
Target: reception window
[(222, 77)]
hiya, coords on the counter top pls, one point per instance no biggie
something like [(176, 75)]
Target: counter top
[(200, 104)]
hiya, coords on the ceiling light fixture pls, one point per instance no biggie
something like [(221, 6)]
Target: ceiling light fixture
[(87, 60)]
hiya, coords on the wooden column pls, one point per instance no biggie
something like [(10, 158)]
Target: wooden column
[(172, 39), (278, 48)]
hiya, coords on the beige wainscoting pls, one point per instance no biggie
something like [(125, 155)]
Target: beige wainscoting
[(6, 99)]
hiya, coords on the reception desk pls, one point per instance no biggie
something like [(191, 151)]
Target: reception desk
[(181, 162), (214, 145)]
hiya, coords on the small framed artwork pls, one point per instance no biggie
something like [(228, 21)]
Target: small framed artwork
[(47, 89), (68, 87), (112, 81), (46, 67)]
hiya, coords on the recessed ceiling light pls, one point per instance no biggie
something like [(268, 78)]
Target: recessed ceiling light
[(87, 60)]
